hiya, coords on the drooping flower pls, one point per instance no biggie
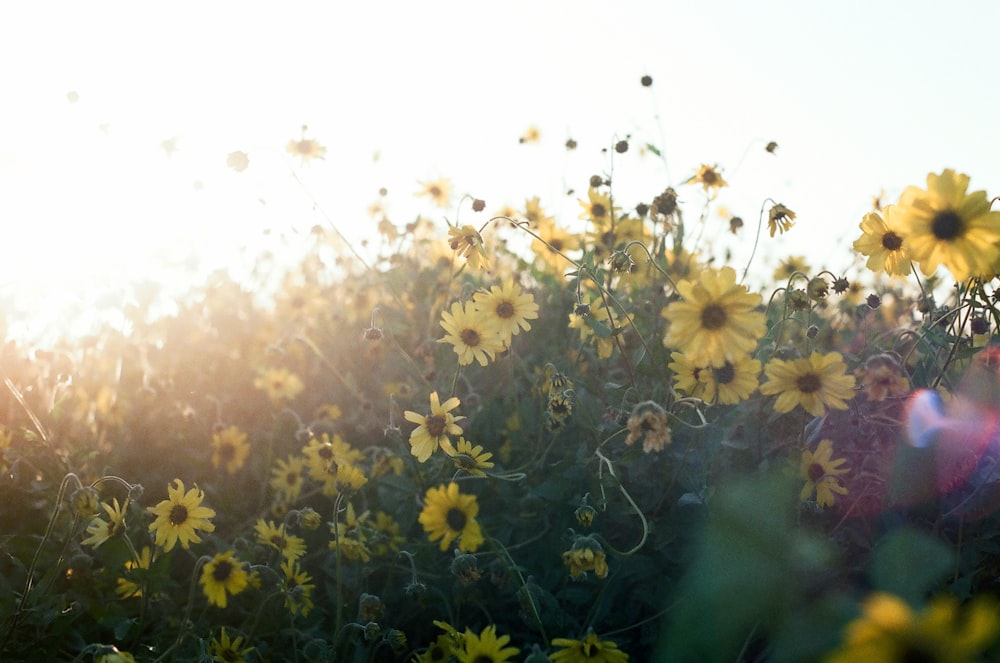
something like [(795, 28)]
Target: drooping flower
[(473, 334), (230, 449), (221, 576), (467, 242), (486, 647), (945, 225), (779, 218), (819, 472), (882, 242), (433, 428), (226, 650), (586, 554), (649, 423), (890, 630), (101, 530), (587, 650), (716, 320), (298, 588), (448, 515), (180, 517), (816, 383), (509, 308)]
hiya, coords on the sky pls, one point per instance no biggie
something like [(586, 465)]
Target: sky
[(128, 182)]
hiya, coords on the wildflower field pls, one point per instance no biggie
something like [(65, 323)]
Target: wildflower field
[(505, 436)]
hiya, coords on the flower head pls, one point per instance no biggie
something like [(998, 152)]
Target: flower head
[(224, 650), (229, 449), (434, 428), (274, 536), (588, 650), (882, 241), (467, 242), (648, 422), (586, 554), (474, 334), (438, 191), (180, 517), (486, 647), (280, 385), (508, 307), (129, 587), (221, 576), (448, 515), (716, 320), (306, 148), (298, 588), (883, 377), (820, 472), (945, 225), (287, 477), (779, 218), (470, 458), (709, 177), (815, 383), (102, 530)]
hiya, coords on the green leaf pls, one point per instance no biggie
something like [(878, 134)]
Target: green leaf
[(652, 148)]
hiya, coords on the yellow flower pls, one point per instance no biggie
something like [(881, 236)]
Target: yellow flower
[(945, 225), (485, 647), (688, 376), (128, 587), (474, 335), (349, 537), (789, 267), (779, 218), (470, 458), (230, 449), (221, 576), (820, 473), (508, 307), (347, 479), (179, 517), (716, 320), (279, 384), (290, 546), (306, 148), (882, 242), (298, 588), (387, 536), (586, 554), (325, 455), (224, 650), (439, 192), (588, 650), (434, 428), (648, 421), (889, 630), (597, 208), (467, 242), (732, 382), (102, 530), (814, 383), (530, 136), (286, 477), (709, 177), (450, 515)]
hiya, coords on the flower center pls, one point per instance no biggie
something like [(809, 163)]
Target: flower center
[(178, 514), (222, 571), (470, 337), (809, 383), (708, 177), (713, 317), (505, 310), (946, 225), (591, 649), (816, 472), (435, 425), (456, 519), (598, 210), (725, 374), (891, 241)]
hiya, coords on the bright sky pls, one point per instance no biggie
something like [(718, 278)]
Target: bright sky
[(860, 96)]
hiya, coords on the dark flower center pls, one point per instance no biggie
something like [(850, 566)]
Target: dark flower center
[(708, 177), (435, 425), (725, 374), (946, 225), (304, 147), (470, 337), (816, 472), (598, 210), (713, 317), (891, 241), (227, 451), (456, 519), (591, 649), (292, 478), (809, 383), (505, 309), (222, 571), (435, 191), (178, 514)]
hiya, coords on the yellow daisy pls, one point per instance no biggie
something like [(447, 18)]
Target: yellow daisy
[(224, 650), (597, 208), (474, 335), (882, 242), (820, 473), (486, 647), (129, 586), (434, 428), (290, 546), (816, 383), (448, 515), (732, 382), (944, 225), (298, 588), (229, 449), (709, 177), (280, 385), (688, 376), (101, 530), (509, 308), (470, 458), (180, 517), (439, 192), (588, 650), (467, 242), (287, 477), (716, 320), (221, 576)]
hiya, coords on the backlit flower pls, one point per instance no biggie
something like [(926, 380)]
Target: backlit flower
[(597, 208), (709, 177), (716, 320), (130, 586), (180, 517), (274, 536), (230, 449), (789, 267), (882, 242), (448, 515), (306, 148), (466, 241), (434, 428), (820, 472), (588, 650), (945, 225), (509, 308), (815, 383), (280, 385), (101, 530), (779, 218), (221, 576), (486, 647), (473, 334), (287, 477), (438, 191)]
